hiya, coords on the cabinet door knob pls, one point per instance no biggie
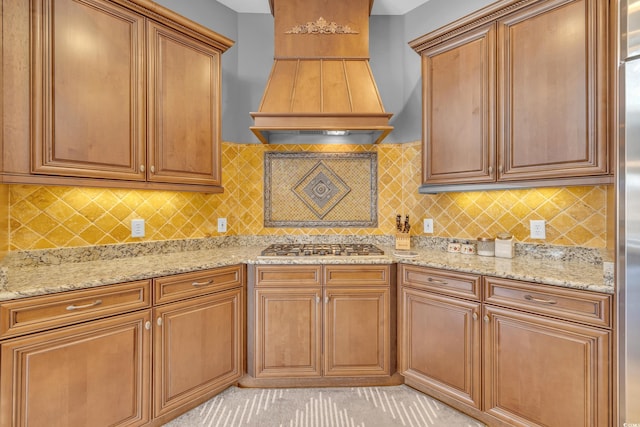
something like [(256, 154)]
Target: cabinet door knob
[(141, 168), (153, 169), (475, 316), (486, 318), (490, 170), (317, 299), (159, 321), (500, 168), (147, 325), (326, 300)]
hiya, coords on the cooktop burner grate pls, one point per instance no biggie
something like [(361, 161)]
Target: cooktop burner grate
[(321, 249)]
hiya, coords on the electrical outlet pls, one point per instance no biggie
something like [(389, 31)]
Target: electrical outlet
[(427, 225), (538, 230), (222, 225), (137, 228)]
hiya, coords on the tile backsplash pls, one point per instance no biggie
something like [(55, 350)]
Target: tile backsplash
[(42, 217)]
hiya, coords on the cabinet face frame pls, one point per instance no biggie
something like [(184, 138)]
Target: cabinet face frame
[(272, 319), (445, 380), (476, 140), (356, 319), (170, 96), (591, 148), (65, 350), (168, 369), (505, 398), (52, 94)]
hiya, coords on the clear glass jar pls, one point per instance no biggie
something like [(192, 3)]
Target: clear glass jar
[(504, 245), (486, 246)]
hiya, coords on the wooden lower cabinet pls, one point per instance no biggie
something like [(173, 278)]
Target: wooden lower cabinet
[(94, 374), (440, 344), (288, 332), (321, 323), (545, 372), (198, 349), (113, 356), (516, 354), (356, 332)]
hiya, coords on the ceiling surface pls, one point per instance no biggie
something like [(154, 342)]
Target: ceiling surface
[(380, 7)]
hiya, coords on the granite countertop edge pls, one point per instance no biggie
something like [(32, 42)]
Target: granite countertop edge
[(22, 282)]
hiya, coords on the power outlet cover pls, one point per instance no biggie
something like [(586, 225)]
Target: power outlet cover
[(538, 230), (137, 228), (427, 225)]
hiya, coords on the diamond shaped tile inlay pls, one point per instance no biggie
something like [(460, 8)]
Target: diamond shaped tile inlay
[(321, 189)]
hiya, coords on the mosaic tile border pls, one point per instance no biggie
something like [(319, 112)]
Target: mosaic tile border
[(270, 182)]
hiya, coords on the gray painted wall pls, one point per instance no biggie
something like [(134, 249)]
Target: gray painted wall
[(395, 66)]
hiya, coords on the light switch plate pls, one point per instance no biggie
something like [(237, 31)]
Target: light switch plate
[(427, 225), (222, 225), (137, 228)]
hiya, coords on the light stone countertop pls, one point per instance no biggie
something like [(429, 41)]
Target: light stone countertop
[(20, 282)]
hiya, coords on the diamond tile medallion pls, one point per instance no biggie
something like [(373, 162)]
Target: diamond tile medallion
[(311, 189), (321, 189)]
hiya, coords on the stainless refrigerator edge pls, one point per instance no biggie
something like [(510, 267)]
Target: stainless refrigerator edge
[(628, 216)]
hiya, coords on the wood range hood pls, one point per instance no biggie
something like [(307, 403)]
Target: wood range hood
[(321, 82)]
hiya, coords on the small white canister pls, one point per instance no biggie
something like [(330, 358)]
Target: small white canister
[(504, 245)]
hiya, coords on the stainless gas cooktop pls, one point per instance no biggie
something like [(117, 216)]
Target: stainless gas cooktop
[(315, 249)]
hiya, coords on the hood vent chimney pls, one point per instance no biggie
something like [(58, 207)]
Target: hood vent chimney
[(321, 80)]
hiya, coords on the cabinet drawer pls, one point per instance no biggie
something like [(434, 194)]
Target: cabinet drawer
[(187, 285), (442, 281), (570, 304), (288, 275), (356, 275), (50, 311)]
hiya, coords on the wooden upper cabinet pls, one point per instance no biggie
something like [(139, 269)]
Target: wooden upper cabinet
[(552, 87), (88, 97), (518, 94), (184, 116), (119, 93), (458, 107)]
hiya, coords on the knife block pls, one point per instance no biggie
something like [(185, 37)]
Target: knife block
[(403, 241)]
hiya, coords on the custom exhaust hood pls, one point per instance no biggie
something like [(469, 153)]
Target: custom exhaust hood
[(321, 82)]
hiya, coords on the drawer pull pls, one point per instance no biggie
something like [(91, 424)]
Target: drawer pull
[(197, 284), (540, 300), (436, 281), (80, 307)]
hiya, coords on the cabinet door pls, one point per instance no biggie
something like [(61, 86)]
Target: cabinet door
[(552, 95), (459, 104), (197, 349), (184, 108), (96, 374), (357, 332), (544, 372), (288, 331), (88, 97), (439, 344)]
